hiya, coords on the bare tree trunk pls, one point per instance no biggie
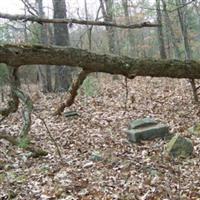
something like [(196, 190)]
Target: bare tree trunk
[(2, 94), (45, 74), (197, 11), (89, 29), (171, 31), (131, 37), (82, 75), (25, 28), (182, 14), (161, 41), (63, 75), (107, 11)]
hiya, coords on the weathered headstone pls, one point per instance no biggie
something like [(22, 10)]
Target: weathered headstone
[(141, 123), (179, 146), (146, 129)]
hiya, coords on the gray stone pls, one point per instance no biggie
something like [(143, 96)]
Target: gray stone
[(147, 132), (195, 130), (179, 147), (145, 122), (71, 114), (96, 156), (88, 164)]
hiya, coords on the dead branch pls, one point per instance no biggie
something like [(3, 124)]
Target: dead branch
[(73, 92), (181, 6), (41, 20), (50, 135)]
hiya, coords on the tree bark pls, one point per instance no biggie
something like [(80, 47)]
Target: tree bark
[(13, 103), (161, 41), (17, 55), (131, 36), (182, 14), (89, 29), (45, 71), (107, 11), (74, 21), (63, 75), (73, 93), (171, 31)]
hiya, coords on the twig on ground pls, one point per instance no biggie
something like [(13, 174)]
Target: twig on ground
[(50, 135)]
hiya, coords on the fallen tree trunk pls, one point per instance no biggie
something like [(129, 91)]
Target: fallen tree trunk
[(17, 55)]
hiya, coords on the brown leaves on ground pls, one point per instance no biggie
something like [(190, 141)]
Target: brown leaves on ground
[(125, 171)]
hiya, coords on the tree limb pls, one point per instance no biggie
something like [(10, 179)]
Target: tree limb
[(17, 55), (30, 8), (41, 20), (181, 6), (73, 92)]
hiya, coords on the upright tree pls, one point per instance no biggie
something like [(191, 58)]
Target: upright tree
[(170, 31), (161, 41), (182, 15), (63, 74), (131, 37), (45, 74), (107, 11)]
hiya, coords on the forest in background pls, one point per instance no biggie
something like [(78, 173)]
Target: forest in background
[(178, 35), (67, 148)]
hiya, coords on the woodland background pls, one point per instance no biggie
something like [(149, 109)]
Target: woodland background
[(105, 105)]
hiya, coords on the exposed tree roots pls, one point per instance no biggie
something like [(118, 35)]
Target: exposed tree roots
[(13, 104), (28, 107), (36, 152)]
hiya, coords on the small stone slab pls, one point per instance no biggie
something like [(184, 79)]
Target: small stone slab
[(147, 132), (179, 147), (145, 122), (70, 114), (96, 156)]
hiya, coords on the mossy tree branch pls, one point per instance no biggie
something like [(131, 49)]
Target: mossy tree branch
[(17, 55)]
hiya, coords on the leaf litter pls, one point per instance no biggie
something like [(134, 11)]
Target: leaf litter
[(121, 170)]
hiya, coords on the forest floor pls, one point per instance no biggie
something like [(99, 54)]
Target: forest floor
[(127, 171)]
